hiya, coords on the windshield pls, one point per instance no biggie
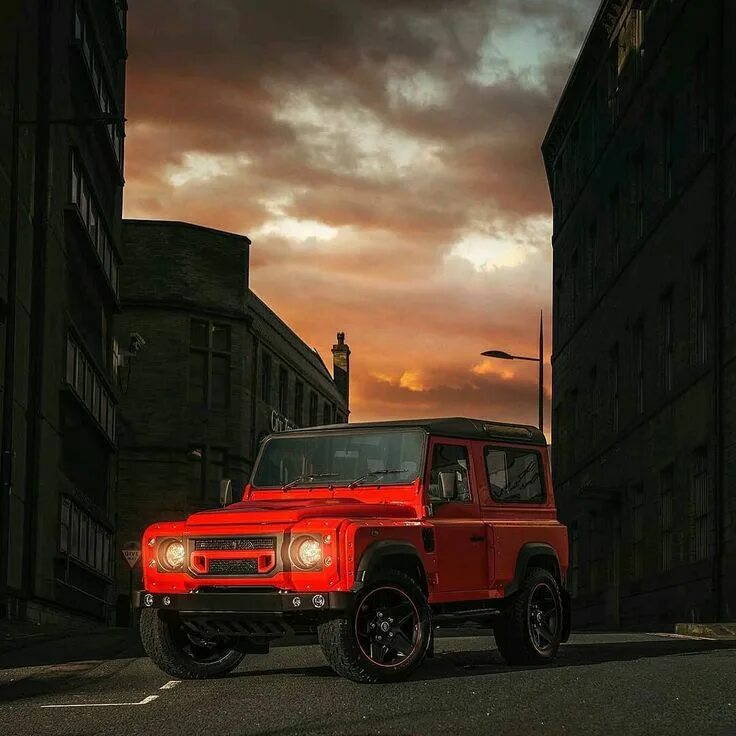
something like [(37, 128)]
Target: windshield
[(340, 458)]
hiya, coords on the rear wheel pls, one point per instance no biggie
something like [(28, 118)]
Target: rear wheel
[(180, 652), (530, 630), (385, 636)]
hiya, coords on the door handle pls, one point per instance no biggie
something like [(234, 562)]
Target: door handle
[(477, 539)]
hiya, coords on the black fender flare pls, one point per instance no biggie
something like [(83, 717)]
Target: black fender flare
[(529, 550), (378, 551)]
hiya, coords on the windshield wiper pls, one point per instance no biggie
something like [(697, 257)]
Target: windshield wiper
[(310, 476), (358, 481)]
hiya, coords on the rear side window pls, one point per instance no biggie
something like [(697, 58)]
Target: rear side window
[(514, 476)]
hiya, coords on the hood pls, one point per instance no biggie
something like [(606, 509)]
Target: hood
[(286, 512)]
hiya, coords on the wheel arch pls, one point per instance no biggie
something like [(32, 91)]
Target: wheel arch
[(534, 554), (391, 555)]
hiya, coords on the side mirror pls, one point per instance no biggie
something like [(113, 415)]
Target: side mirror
[(448, 485), (226, 492)]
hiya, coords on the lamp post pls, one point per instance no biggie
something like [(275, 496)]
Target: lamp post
[(501, 355)]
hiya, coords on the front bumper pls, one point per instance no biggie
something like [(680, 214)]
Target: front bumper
[(240, 602)]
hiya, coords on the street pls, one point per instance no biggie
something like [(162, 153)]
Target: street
[(601, 683)]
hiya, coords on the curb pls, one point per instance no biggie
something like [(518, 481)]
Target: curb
[(717, 631)]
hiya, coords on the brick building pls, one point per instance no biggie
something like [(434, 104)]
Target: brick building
[(219, 371), (641, 162), (62, 85)]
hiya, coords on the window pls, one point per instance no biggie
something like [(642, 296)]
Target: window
[(91, 216), (514, 476), (668, 155), (639, 365), (700, 310), (451, 459), (266, 365), (327, 414), (637, 532), (97, 76), (573, 573), (700, 507), (90, 389), (703, 96), (597, 562), (615, 219), (667, 346), (613, 377), (638, 194), (216, 471), (666, 495), (594, 402), (313, 405), (83, 538), (283, 397), (298, 403), (593, 245), (574, 287), (209, 364)]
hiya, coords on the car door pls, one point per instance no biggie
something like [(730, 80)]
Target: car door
[(460, 538), (515, 502)]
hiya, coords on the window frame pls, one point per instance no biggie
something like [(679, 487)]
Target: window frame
[(210, 353), (522, 451)]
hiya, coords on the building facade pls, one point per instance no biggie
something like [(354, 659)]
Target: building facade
[(217, 372), (641, 161), (62, 86)]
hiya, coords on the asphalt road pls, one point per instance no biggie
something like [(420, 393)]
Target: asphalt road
[(601, 684)]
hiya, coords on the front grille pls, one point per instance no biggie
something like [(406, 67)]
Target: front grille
[(234, 543), (233, 567)]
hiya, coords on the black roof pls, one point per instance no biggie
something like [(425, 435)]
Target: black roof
[(459, 427)]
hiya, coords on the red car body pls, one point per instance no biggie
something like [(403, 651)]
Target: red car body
[(468, 556)]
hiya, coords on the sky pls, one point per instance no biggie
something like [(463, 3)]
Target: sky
[(384, 158)]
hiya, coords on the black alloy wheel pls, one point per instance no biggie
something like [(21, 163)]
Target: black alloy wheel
[(545, 618), (530, 629), (180, 652), (385, 635), (387, 626)]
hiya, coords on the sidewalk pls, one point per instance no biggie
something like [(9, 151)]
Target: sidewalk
[(715, 631), (26, 645)]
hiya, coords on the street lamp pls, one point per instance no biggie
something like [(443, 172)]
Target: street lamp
[(501, 355)]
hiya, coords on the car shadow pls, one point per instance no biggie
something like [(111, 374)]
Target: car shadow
[(477, 662)]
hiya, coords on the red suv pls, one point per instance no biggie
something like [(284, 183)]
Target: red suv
[(369, 535)]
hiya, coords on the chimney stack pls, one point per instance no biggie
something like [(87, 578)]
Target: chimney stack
[(341, 368)]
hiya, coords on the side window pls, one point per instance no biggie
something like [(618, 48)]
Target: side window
[(450, 459), (514, 476)]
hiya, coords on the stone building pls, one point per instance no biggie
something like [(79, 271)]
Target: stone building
[(62, 87), (641, 160), (219, 370)]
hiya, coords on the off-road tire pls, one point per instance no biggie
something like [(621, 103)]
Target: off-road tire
[(161, 645), (513, 632), (339, 642)]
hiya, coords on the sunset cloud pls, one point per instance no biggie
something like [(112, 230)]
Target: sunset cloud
[(383, 155)]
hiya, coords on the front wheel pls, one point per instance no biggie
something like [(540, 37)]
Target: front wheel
[(531, 628), (385, 636), (179, 652)]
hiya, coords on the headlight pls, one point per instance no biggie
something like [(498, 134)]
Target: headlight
[(172, 554), (306, 552)]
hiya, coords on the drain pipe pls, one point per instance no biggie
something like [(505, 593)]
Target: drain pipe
[(718, 264)]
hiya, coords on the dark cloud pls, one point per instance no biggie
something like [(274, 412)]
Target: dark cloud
[(385, 120)]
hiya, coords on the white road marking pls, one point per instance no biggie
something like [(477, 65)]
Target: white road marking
[(145, 701), (684, 636), (170, 684)]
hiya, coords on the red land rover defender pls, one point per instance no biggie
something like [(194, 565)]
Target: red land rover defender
[(369, 535)]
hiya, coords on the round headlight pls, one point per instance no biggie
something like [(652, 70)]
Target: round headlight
[(174, 554), (308, 552)]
